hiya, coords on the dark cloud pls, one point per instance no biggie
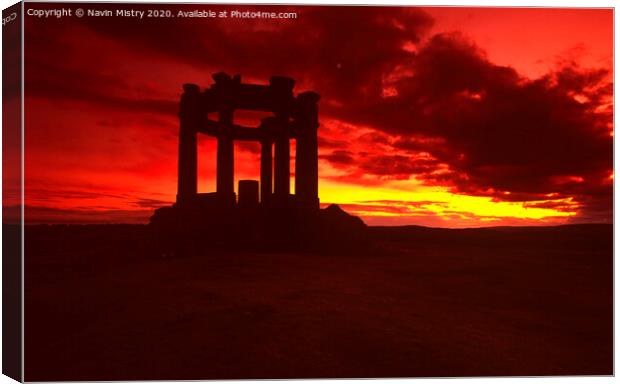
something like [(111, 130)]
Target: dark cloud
[(151, 203), (340, 157), (350, 47), (48, 215), (500, 134), (561, 206), (396, 166), (340, 51), (49, 80), (47, 194), (404, 209)]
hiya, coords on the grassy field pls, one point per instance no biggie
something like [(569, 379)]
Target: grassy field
[(102, 305)]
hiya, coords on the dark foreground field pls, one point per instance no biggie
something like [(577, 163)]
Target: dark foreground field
[(426, 302)]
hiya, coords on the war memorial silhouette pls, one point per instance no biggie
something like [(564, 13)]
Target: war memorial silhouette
[(264, 213)]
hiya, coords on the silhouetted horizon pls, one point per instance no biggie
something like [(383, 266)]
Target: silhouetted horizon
[(369, 226)]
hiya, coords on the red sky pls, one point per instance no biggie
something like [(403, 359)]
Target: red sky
[(452, 117)]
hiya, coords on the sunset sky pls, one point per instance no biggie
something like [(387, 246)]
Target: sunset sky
[(445, 117)]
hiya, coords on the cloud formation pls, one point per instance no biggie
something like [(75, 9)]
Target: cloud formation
[(400, 101)]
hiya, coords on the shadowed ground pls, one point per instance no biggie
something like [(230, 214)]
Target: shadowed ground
[(425, 302)]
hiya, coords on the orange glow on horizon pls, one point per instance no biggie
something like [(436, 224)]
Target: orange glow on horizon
[(390, 201)]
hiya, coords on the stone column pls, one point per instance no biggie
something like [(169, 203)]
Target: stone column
[(282, 93), (226, 157), (306, 123), (282, 182), (190, 119), (265, 170), (224, 91)]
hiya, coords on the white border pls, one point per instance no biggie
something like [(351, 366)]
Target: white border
[(484, 3)]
